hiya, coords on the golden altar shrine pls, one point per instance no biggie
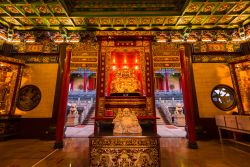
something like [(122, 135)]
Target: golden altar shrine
[(124, 84), (10, 80)]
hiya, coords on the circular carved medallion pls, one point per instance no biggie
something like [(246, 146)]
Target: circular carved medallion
[(29, 97), (223, 97)]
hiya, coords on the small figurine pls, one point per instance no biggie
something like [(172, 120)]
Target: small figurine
[(126, 122)]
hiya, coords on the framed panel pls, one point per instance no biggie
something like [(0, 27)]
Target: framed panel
[(242, 72), (29, 97), (223, 97), (8, 82)]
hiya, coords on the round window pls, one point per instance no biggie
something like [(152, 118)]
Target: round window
[(223, 97)]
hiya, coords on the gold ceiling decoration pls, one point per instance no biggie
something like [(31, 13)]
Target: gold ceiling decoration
[(117, 15)]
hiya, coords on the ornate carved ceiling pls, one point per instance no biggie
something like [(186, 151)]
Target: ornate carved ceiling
[(128, 14)]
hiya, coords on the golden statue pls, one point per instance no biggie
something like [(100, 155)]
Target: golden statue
[(126, 122), (125, 81)]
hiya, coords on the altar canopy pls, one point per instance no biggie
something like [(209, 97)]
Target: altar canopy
[(125, 73)]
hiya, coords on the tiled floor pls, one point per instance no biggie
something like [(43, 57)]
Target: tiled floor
[(174, 153), (171, 131), (77, 131), (17, 153), (163, 131)]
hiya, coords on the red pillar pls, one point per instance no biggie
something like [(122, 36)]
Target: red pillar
[(185, 59), (84, 81), (71, 84), (166, 77), (180, 84), (160, 83), (63, 101)]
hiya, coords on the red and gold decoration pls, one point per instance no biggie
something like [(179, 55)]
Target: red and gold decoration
[(84, 55), (165, 55), (10, 80), (124, 151), (81, 15), (125, 75), (125, 83), (239, 70)]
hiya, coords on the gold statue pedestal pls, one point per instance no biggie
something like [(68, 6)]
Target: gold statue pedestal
[(124, 150), (127, 146)]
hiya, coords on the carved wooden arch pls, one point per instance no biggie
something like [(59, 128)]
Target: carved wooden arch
[(84, 55)]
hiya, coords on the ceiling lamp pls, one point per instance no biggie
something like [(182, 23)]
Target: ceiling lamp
[(73, 38), (29, 38), (191, 40), (57, 38), (161, 38), (206, 37), (221, 37), (192, 37), (176, 37)]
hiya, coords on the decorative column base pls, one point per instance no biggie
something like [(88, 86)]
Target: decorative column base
[(192, 145), (58, 145)]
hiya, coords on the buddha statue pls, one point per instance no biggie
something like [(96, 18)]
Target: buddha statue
[(126, 122), (125, 81)]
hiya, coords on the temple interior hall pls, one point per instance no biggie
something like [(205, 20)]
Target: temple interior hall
[(115, 83)]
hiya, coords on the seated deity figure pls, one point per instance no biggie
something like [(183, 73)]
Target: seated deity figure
[(72, 117), (125, 81), (126, 122)]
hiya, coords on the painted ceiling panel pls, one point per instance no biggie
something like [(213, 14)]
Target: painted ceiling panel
[(94, 14)]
